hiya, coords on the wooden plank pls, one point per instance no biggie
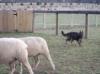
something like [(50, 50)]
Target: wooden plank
[(11, 21), (1, 21), (19, 20), (29, 21), (24, 21), (5, 21)]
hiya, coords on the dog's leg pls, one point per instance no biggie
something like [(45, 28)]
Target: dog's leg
[(79, 42), (66, 41), (72, 41)]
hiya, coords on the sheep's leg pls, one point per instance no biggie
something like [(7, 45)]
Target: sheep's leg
[(37, 61), (21, 68), (47, 55), (28, 66), (12, 68)]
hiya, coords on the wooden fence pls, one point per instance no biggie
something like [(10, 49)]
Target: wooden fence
[(16, 21)]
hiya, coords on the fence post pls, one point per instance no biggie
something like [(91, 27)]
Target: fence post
[(56, 23), (86, 25)]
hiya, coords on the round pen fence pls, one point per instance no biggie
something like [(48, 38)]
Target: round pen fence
[(47, 22)]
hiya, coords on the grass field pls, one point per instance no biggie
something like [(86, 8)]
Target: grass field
[(70, 58)]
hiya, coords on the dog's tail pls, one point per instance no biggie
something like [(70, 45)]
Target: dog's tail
[(62, 32)]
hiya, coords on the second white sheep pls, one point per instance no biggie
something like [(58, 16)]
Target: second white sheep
[(38, 46)]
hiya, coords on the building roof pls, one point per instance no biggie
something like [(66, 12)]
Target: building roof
[(51, 1)]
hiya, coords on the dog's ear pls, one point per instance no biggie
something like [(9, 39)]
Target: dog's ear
[(81, 31)]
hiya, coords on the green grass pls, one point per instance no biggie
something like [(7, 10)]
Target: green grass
[(70, 58)]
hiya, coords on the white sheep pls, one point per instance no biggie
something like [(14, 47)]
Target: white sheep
[(11, 50), (38, 46)]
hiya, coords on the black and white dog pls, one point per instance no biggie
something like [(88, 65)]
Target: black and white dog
[(71, 36)]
